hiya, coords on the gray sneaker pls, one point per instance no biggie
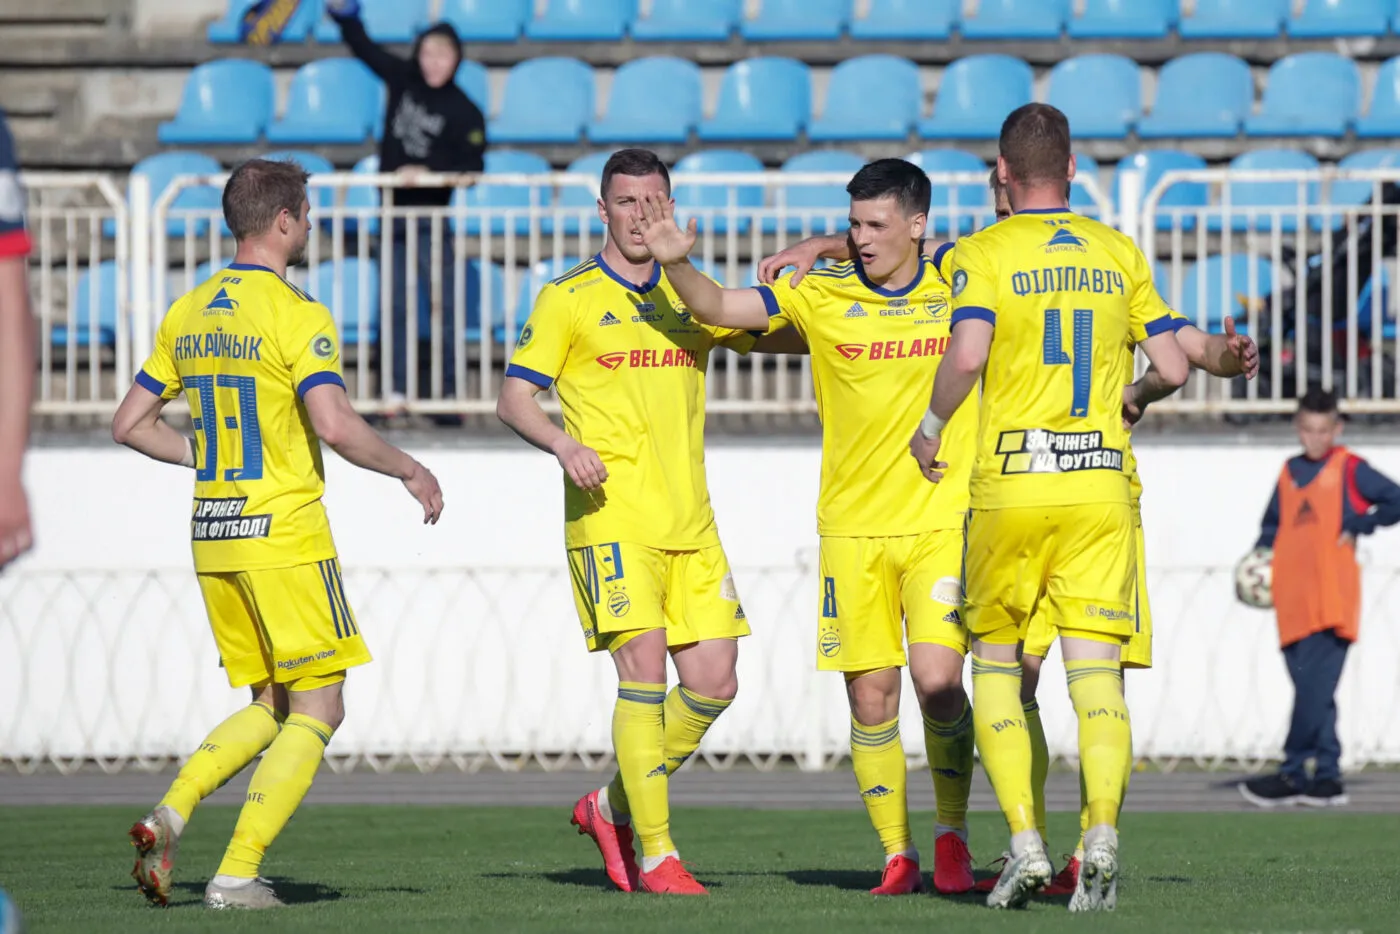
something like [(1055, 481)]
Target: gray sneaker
[(1022, 877), (253, 894), (156, 845)]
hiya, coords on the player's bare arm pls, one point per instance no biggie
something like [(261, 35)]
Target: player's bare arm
[(962, 365), (138, 425), (16, 389), (670, 246), (1166, 374), (1225, 355), (803, 256), (518, 408), (337, 423)]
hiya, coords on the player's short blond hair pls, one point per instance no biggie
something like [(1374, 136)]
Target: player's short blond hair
[(259, 190)]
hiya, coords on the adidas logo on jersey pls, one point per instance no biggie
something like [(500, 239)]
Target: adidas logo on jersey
[(1306, 515), (608, 318), (657, 772), (953, 618), (739, 613), (855, 311)]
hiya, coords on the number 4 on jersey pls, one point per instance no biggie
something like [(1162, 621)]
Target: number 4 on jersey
[(1081, 364)]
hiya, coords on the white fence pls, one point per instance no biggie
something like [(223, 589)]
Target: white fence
[(1310, 276)]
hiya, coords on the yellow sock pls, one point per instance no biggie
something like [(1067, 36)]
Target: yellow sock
[(1040, 763), (1083, 817), (1003, 740), (639, 742), (223, 754), (1105, 737), (280, 782), (877, 755), (949, 747), (688, 716)]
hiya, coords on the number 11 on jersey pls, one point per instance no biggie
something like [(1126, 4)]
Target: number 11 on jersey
[(1081, 364)]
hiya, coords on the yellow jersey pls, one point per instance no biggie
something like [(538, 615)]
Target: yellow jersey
[(874, 353), (628, 363), (245, 347), (1068, 298)]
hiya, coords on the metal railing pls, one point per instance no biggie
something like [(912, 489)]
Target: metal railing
[(1309, 277)]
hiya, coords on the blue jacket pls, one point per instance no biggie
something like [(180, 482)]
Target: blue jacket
[(1371, 500)]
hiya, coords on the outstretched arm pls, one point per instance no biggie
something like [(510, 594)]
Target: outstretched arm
[(803, 256), (388, 66), (669, 245), (962, 365), (1166, 374), (1226, 355)]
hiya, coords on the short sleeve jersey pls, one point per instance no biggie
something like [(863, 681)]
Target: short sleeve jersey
[(244, 348), (874, 354), (1068, 298), (628, 363)]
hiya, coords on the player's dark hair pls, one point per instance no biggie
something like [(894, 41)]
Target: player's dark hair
[(259, 190), (898, 177), (1035, 144), (1319, 401), (637, 163)]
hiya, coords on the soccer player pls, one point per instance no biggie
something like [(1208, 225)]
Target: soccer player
[(628, 362), (1051, 525), (16, 356), (259, 361), (891, 545)]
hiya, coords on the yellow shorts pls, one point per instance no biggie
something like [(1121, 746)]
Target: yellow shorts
[(1073, 566), (622, 590), (873, 589), (283, 624), (1137, 653)]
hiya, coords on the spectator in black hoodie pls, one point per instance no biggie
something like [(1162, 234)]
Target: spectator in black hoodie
[(430, 125)]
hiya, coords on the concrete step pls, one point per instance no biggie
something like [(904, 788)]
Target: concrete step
[(61, 11)]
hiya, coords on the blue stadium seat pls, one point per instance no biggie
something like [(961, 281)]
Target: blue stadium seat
[(689, 21), (823, 208), (313, 164), (1267, 194), (1364, 300), (475, 82), (495, 196), (385, 21), (1328, 19), (225, 101), (761, 99), (634, 117), (870, 97), (1085, 166), (1235, 19), (965, 202), (710, 202), (1101, 94), (96, 296), (532, 282), (811, 20), (481, 290), (583, 20), (1383, 119), (581, 199), (1187, 196), (547, 100), (975, 95), (1124, 19), (1204, 94), (302, 23), (163, 167), (1017, 19), (334, 100), (1225, 282), (1355, 193), (1308, 94), (907, 20), (487, 20), (350, 290), (363, 198)]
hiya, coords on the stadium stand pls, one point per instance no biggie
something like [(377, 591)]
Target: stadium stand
[(225, 101), (688, 21), (708, 203), (303, 22), (487, 20), (1123, 19), (759, 99), (830, 202), (973, 91), (362, 201), (159, 170), (632, 112), (481, 289), (1382, 119), (488, 194), (792, 20), (870, 97), (1017, 19), (947, 201), (1308, 94), (1186, 197), (1101, 94), (1080, 198), (906, 20), (1329, 19), (475, 82), (1217, 285), (1206, 94), (335, 100), (583, 20), (350, 287), (1234, 19), (583, 198), (385, 21), (1274, 202), (547, 100), (95, 303)]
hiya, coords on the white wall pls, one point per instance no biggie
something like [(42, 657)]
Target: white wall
[(104, 650)]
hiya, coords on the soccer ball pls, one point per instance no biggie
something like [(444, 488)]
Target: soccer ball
[(10, 921), (1254, 579)]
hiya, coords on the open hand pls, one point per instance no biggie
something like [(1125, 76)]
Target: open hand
[(1243, 348), (656, 221), (801, 256)]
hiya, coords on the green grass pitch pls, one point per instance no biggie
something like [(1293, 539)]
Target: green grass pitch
[(414, 868)]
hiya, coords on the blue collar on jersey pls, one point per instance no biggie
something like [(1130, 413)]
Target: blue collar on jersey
[(248, 267), (1064, 210), (642, 289), (891, 293)]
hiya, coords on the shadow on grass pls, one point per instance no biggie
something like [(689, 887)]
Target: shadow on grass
[(851, 880), (291, 893)]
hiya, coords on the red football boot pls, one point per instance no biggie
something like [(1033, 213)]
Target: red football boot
[(671, 878), (1066, 881), (952, 866), (614, 842), (902, 877)]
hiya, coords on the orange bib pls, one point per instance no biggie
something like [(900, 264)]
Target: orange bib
[(1316, 581)]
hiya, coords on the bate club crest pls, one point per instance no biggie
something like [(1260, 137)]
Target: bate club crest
[(265, 21)]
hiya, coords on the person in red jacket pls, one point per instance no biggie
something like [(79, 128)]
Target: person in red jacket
[(1326, 498)]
